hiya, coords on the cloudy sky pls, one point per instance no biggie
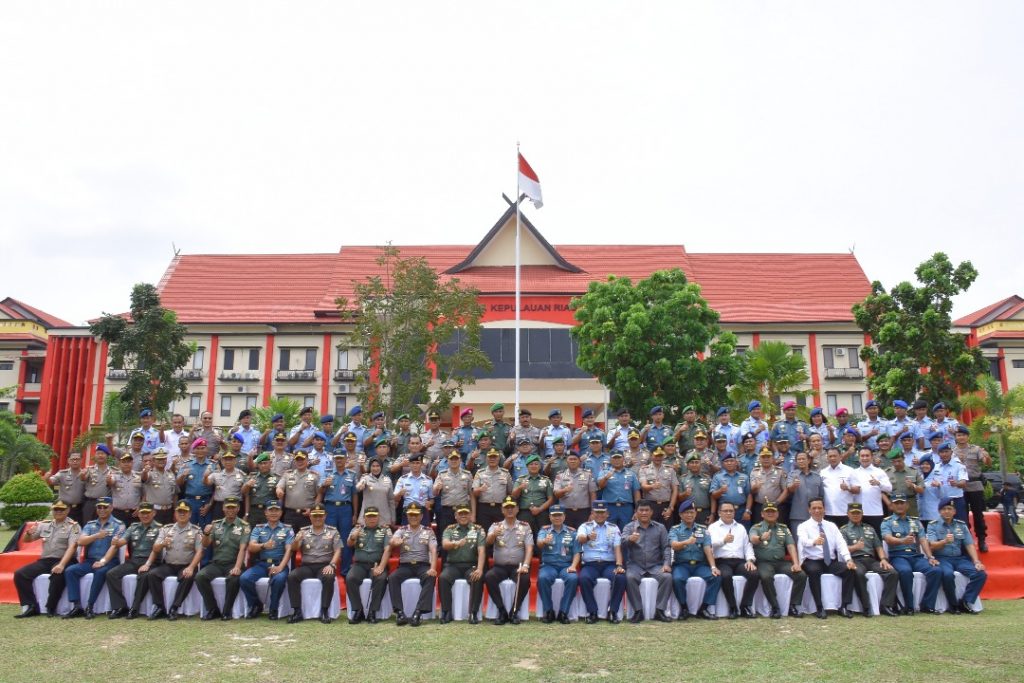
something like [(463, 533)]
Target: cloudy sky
[(130, 129)]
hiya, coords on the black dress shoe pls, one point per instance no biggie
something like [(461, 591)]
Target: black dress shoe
[(908, 611), (446, 617), (844, 612), (734, 613), (637, 617), (117, 613), (613, 618), (965, 608), (982, 547), (158, 613), (357, 617), (254, 611), (296, 617), (502, 618), (401, 619), (371, 618), (132, 614), (659, 615), (548, 617), (416, 618), (776, 613), (325, 617), (591, 619), (684, 613), (474, 619), (515, 620), (226, 616), (888, 611), (928, 610), (32, 611), (89, 614), (821, 614), (748, 613), (795, 612), (273, 615), (706, 613), (563, 618), (74, 613), (172, 614), (211, 615)]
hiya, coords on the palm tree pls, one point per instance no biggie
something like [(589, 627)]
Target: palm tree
[(768, 372), (996, 422), (20, 451)]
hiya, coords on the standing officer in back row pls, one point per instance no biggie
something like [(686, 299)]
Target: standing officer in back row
[(320, 546), (372, 549), (228, 537)]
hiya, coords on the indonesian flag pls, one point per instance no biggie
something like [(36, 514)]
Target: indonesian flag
[(529, 183)]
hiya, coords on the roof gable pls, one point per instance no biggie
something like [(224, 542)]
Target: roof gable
[(1009, 308)]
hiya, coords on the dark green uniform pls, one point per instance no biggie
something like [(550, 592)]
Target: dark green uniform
[(539, 490), (499, 435), (697, 487), (226, 538), (687, 434), (771, 560), (901, 486), (370, 546), (461, 563), (263, 491), (867, 560), (140, 539)]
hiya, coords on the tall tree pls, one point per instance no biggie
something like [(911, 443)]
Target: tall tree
[(996, 427), (767, 372), (916, 354), (645, 342), (151, 347), (410, 324)]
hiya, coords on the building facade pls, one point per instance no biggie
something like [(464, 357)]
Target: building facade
[(998, 329)]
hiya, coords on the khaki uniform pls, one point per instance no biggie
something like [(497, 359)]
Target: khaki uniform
[(57, 538), (414, 562), (70, 489), (317, 550), (488, 502), (576, 501), (300, 490), (510, 546), (773, 483), (182, 542), (126, 494)]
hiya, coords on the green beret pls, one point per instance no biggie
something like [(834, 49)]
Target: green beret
[(262, 457), (533, 458), (497, 406)]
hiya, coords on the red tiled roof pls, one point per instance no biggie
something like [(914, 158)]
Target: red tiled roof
[(10, 306), (1000, 310), (775, 288)]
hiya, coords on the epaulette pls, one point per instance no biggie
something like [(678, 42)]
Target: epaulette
[(451, 526), (546, 526)]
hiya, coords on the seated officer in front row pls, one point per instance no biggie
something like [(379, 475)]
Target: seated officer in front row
[(950, 540), (271, 544), (559, 559), (693, 556)]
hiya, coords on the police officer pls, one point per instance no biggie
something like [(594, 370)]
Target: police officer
[(96, 538), (771, 541), (226, 483), (139, 539), (372, 549), (281, 460), (973, 458), (320, 546), (455, 487), (513, 552), (125, 489), (300, 490), (490, 487), (96, 481), (180, 546), (767, 482), (60, 543), (868, 554), (228, 537), (659, 483), (693, 556), (417, 559), (620, 490), (70, 487), (951, 544), (601, 553), (159, 488), (648, 555), (559, 559), (535, 494), (905, 537), (197, 494), (524, 430), (695, 486), (465, 545), (338, 491), (271, 544), (575, 490)]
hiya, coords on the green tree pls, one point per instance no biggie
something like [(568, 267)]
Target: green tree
[(118, 419), (766, 373), (20, 451), (409, 322), (642, 342), (995, 430), (151, 347), (916, 354), (286, 406)]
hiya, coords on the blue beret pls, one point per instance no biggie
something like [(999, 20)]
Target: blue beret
[(598, 506), (899, 404), (936, 435), (871, 404), (906, 435), (104, 500), (276, 416), (752, 405), (945, 447), (927, 459), (685, 505), (307, 409), (238, 437), (146, 412), (553, 412), (356, 410), (622, 411), (556, 510), (938, 405), (721, 411), (587, 412), (245, 413), (319, 435), (946, 502), (749, 435), (377, 414), (657, 409), (103, 448), (326, 418), (728, 456), (816, 411), (851, 430), (962, 430)]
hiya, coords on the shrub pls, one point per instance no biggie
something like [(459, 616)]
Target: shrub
[(25, 497)]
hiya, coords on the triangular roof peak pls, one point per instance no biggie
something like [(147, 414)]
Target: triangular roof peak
[(497, 248)]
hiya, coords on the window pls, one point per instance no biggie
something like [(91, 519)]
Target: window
[(340, 406), (225, 406), (33, 374), (194, 405), (4, 407), (308, 401), (832, 403), (1018, 364), (254, 359), (546, 353), (798, 350), (853, 402), (857, 407), (841, 356), (9, 364), (310, 359), (741, 350), (199, 358), (229, 359), (343, 359), (250, 401), (284, 359), (995, 369)]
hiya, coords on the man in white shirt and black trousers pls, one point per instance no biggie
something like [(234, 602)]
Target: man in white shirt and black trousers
[(823, 550), (734, 555)]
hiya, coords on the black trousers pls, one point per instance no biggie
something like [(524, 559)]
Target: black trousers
[(766, 571), (75, 513), (313, 570), (295, 519), (356, 574), (164, 517), (975, 501), (204, 584), (452, 573), (488, 514), (498, 573), (257, 514), (113, 579), (733, 566), (890, 582), (413, 571), (155, 578), (574, 518), (814, 570), (24, 577), (122, 514)]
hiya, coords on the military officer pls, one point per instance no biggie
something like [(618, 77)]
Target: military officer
[(498, 428), (434, 436), (794, 430), (455, 487), (756, 425), (96, 538), (636, 455), (271, 544), (771, 541), (905, 537), (951, 544), (748, 455), (656, 431), (197, 494), (731, 486), (226, 483), (575, 490), (672, 456), (524, 430), (648, 554), (709, 460), (139, 539), (597, 461), (974, 459), (338, 491), (726, 428), (516, 463), (620, 490), (300, 490), (687, 430), (372, 549), (869, 555), (535, 494), (513, 551), (490, 486), (908, 483), (617, 437), (259, 489), (355, 427), (228, 537), (559, 559), (695, 486), (60, 543), (302, 432), (415, 487), (870, 429), (601, 552), (557, 463), (417, 559), (660, 485), (553, 431), (465, 435), (320, 546), (70, 486), (465, 546), (692, 556), (584, 435), (180, 548), (159, 488), (95, 479)]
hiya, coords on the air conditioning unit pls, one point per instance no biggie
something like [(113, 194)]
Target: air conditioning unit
[(241, 389), (840, 351), (344, 389)]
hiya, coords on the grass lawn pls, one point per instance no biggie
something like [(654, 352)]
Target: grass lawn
[(933, 648)]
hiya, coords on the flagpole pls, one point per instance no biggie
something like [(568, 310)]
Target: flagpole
[(518, 196)]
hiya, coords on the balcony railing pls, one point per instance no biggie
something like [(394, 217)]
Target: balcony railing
[(296, 375), (344, 375), (190, 373), (239, 376), (844, 373), (117, 373)]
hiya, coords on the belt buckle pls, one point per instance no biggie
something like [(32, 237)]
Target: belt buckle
[(692, 562)]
